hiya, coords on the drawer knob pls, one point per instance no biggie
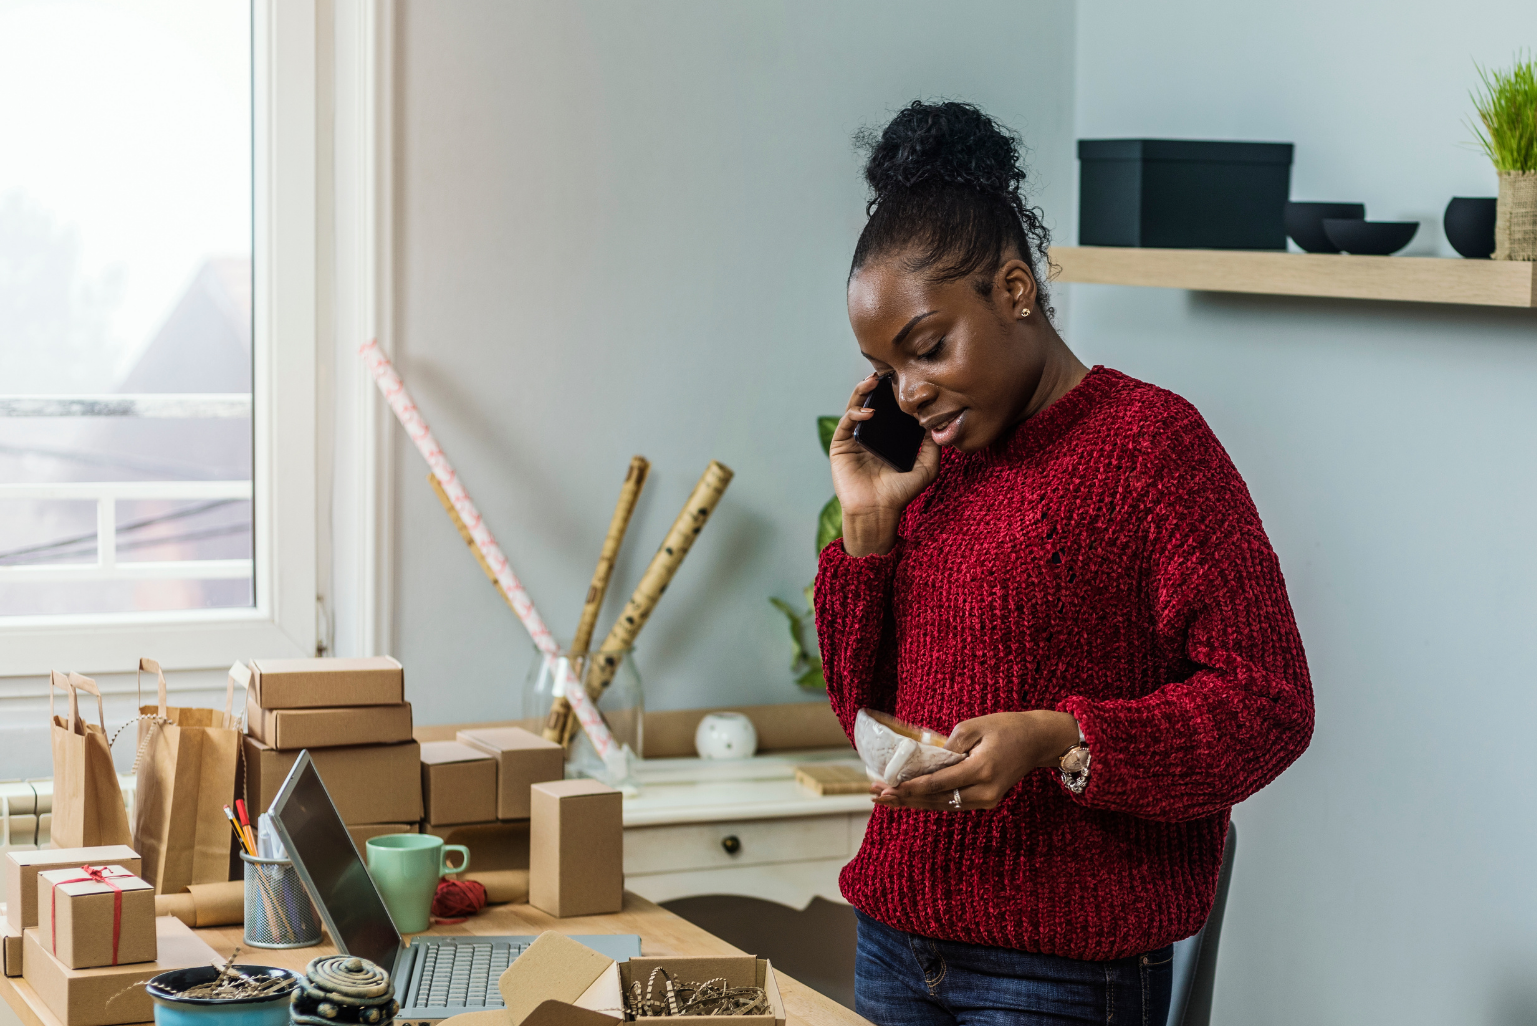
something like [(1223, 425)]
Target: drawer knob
[(731, 843)]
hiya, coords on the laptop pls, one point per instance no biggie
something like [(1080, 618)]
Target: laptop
[(434, 977)]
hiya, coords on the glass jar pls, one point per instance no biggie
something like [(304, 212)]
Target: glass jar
[(622, 706)]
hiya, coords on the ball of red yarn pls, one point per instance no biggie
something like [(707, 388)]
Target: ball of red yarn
[(457, 900)]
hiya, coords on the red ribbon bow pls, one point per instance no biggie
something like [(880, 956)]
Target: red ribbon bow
[(99, 875)]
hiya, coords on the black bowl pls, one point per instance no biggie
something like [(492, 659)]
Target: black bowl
[(1469, 224), (1370, 238), (167, 985), (1305, 223)]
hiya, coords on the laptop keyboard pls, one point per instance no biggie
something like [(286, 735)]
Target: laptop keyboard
[(463, 975)]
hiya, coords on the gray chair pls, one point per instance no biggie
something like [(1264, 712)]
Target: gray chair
[(1195, 958)]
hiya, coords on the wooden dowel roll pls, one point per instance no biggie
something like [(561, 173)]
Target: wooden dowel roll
[(634, 480), (685, 529)]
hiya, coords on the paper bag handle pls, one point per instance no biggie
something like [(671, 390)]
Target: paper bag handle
[(240, 672), (86, 684), (60, 681), (146, 666)]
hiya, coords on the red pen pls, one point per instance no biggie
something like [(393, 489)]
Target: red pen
[(245, 823)]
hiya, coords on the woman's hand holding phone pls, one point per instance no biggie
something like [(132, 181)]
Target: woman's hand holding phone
[(872, 494)]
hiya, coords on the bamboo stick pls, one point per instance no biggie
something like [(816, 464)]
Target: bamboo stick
[(691, 520), (629, 492)]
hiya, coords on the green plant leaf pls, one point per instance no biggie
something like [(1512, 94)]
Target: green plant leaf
[(797, 619), (812, 679), (829, 524), (825, 428)]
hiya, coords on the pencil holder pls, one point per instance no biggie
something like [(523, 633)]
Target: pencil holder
[(278, 910)]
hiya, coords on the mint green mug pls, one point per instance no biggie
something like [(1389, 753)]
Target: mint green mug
[(406, 868)]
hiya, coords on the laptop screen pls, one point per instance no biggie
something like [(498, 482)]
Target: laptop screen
[(323, 853)]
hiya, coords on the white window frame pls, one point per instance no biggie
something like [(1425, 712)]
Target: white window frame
[(294, 59)]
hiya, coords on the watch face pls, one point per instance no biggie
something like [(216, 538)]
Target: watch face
[(1076, 760)]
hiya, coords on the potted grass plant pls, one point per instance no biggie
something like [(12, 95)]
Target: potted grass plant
[(806, 662), (1507, 112)]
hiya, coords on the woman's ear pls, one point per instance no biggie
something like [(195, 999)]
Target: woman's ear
[(1018, 289)]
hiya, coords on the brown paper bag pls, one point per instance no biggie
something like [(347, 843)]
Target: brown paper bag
[(186, 764), (87, 801)]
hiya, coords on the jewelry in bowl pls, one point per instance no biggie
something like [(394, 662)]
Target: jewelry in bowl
[(894, 751)]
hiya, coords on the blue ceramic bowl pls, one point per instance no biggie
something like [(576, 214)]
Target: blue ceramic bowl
[(174, 1011)]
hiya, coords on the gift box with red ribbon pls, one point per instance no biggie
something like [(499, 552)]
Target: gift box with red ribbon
[(96, 916)]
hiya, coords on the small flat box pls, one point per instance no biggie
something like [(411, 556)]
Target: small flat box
[(832, 778), (22, 867), (327, 683), (522, 759), (10, 939), (576, 848), (75, 914), (368, 783), (458, 784), (493, 846), (106, 996), (362, 832), (295, 729), (1183, 193)]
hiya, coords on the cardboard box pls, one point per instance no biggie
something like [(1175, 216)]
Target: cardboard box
[(22, 867), (493, 846), (363, 831), (293, 729), (327, 683), (576, 848), (106, 996), (76, 913), (368, 783), (566, 983), (458, 784), (10, 940), (522, 758)]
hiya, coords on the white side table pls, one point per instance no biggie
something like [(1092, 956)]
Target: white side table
[(740, 827)]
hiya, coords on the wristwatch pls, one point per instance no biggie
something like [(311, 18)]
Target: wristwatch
[(1075, 766)]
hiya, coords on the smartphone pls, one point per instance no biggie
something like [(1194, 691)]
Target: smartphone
[(891, 436)]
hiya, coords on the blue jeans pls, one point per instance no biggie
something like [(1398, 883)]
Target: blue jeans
[(902, 979)]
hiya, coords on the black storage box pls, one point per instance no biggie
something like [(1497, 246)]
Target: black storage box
[(1183, 193)]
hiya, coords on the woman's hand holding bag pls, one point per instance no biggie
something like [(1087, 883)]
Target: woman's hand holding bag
[(1000, 749)]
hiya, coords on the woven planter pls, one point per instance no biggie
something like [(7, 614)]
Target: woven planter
[(1515, 217)]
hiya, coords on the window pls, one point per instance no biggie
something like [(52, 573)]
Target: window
[(125, 307), (159, 203)]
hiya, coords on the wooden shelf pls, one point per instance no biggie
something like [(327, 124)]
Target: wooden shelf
[(1338, 276)]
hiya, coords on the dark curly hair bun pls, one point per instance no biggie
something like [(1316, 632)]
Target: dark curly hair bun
[(945, 185), (944, 144)]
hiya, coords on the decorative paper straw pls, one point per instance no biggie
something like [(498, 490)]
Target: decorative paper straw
[(555, 724), (411, 419), (467, 518), (691, 520)]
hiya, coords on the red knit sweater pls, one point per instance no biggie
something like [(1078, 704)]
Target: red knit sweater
[(1105, 559)]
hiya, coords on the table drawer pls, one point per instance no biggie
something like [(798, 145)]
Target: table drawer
[(666, 849)]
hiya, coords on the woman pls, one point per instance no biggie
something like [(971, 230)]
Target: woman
[(1074, 583)]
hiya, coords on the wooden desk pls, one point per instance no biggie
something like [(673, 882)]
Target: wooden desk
[(661, 933)]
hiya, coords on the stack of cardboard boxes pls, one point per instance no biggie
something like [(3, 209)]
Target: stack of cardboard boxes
[(476, 791), (83, 939), (353, 717)]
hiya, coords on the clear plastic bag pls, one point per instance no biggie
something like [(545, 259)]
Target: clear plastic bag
[(894, 751)]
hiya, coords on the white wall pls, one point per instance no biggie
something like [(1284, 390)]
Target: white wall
[(1387, 877), (625, 228)]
